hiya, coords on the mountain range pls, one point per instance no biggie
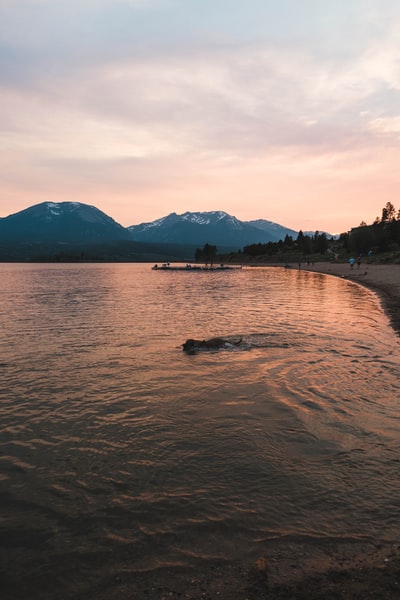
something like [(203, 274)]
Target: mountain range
[(215, 227), (66, 225)]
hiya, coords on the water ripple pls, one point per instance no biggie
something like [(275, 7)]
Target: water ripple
[(117, 447)]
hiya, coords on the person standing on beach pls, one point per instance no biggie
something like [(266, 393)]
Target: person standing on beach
[(352, 261)]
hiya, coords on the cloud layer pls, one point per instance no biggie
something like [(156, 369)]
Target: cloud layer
[(144, 107)]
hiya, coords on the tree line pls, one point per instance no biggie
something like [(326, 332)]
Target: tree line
[(383, 235), (317, 243), (207, 254)]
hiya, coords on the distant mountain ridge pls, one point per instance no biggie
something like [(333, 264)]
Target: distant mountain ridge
[(214, 227), (75, 222), (61, 222)]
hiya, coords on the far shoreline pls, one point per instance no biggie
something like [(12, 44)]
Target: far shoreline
[(384, 280)]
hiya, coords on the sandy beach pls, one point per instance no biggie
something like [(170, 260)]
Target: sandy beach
[(366, 573), (383, 279), (341, 571)]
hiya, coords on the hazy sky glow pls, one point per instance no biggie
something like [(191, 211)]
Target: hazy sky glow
[(288, 111)]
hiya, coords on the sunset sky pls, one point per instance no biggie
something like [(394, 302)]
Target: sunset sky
[(285, 110)]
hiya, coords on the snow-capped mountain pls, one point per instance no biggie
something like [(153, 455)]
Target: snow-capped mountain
[(66, 223), (61, 222), (215, 227)]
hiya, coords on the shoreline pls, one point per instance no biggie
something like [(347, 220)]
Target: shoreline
[(384, 280), (291, 571)]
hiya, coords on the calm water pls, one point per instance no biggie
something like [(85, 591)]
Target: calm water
[(121, 452)]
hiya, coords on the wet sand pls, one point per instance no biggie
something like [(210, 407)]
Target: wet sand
[(333, 571), (383, 279)]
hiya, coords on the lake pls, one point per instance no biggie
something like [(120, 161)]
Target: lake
[(122, 453)]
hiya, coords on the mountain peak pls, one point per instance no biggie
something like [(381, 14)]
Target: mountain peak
[(205, 218), (214, 227), (66, 222)]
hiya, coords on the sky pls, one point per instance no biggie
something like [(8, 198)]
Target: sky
[(282, 110)]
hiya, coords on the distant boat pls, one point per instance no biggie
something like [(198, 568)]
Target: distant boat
[(190, 267)]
